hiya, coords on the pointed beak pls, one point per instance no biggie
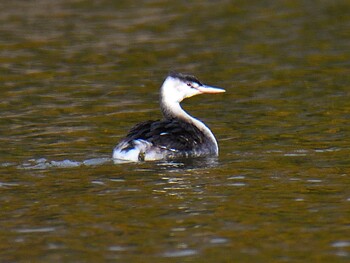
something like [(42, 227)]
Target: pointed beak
[(210, 89)]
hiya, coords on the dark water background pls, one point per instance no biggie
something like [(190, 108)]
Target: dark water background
[(76, 75)]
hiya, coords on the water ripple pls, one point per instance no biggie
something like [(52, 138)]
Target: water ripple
[(180, 253)]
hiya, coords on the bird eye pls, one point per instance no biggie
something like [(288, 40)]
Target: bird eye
[(189, 84)]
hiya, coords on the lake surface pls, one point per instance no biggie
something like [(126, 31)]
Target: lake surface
[(75, 76)]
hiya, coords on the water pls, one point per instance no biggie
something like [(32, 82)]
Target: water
[(76, 75)]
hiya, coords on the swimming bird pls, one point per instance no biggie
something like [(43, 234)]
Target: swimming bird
[(178, 134)]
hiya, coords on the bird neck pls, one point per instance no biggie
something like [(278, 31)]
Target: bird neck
[(172, 110)]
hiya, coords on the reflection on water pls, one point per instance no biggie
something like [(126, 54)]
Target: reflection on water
[(176, 165), (76, 75)]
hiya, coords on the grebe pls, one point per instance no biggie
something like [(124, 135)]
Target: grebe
[(178, 134)]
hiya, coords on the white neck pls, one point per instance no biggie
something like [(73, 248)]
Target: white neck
[(171, 109)]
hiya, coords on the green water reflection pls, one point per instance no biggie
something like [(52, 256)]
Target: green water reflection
[(76, 75)]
